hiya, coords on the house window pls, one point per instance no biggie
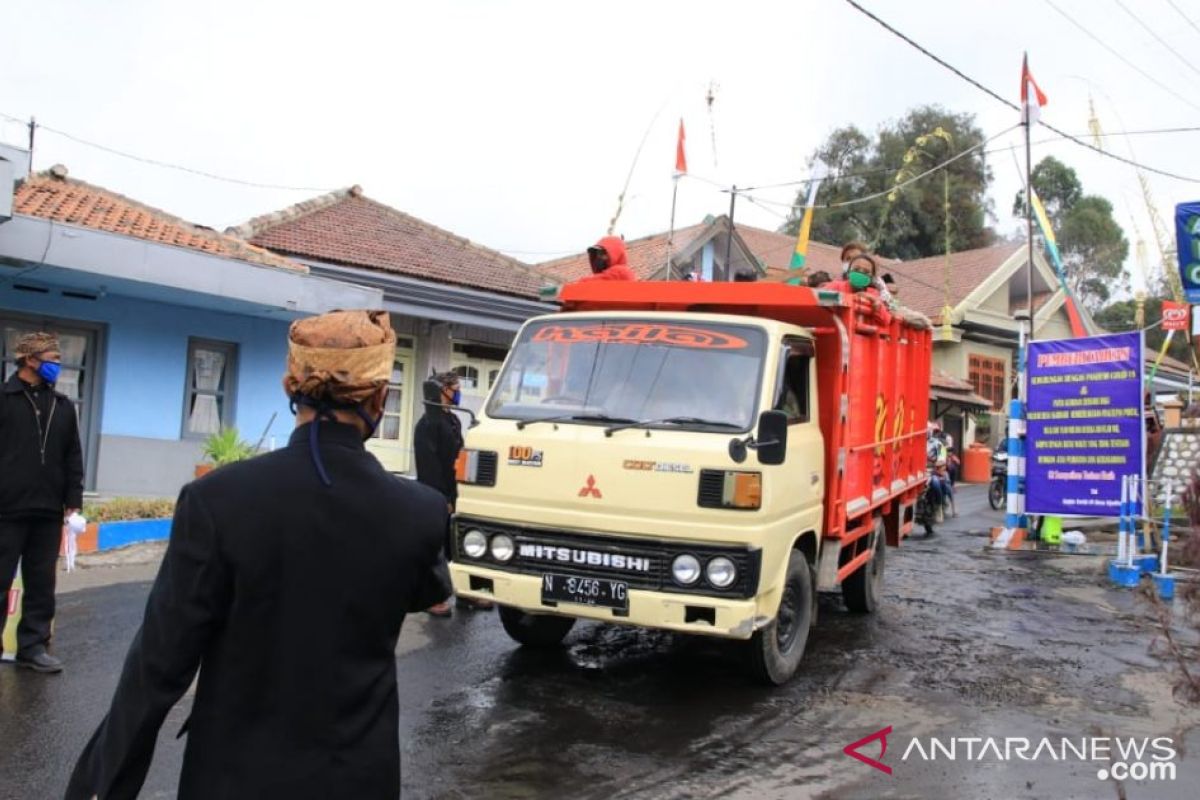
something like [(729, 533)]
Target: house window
[(988, 377), (477, 366), (209, 393)]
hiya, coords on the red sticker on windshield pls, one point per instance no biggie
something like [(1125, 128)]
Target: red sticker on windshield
[(641, 333)]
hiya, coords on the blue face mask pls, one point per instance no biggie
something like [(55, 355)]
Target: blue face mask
[(456, 398), (48, 371)]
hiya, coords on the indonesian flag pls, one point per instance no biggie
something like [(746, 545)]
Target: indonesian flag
[(1031, 107), (680, 156)]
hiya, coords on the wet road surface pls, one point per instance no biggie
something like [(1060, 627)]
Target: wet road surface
[(967, 643)]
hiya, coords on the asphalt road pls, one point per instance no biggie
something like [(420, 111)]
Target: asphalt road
[(969, 643)]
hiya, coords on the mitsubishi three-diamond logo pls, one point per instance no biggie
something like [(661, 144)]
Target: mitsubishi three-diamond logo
[(589, 489)]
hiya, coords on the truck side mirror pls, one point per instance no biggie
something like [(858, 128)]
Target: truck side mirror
[(771, 440)]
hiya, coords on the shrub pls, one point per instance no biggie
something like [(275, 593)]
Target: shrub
[(121, 509), (226, 447)]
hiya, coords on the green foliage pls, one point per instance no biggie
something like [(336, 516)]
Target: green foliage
[(1092, 244), (226, 447), (1122, 316), (120, 509), (911, 223)]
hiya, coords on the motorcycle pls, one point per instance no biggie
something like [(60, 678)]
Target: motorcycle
[(998, 487), (925, 513)]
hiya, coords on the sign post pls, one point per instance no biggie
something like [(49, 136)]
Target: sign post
[(1085, 427)]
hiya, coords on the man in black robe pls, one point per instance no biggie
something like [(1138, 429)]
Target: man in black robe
[(285, 582)]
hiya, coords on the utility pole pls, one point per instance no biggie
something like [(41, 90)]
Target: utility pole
[(729, 237), (32, 131)]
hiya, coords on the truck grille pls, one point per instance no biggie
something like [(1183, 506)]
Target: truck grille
[(488, 461), (712, 489), (642, 563)]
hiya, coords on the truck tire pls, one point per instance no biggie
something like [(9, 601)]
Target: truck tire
[(861, 591), (776, 648), (535, 630)]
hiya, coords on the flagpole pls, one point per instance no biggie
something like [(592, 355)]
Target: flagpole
[(1029, 216), (671, 233)]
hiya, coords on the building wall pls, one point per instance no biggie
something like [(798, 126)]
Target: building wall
[(140, 391), (1057, 327), (950, 358)]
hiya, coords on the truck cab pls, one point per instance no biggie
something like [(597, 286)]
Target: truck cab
[(654, 468)]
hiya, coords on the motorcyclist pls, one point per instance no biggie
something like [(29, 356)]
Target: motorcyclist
[(937, 459)]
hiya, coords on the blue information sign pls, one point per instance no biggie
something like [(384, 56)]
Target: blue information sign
[(1085, 424), (1187, 244)]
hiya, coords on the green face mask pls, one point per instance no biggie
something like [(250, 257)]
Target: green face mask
[(859, 281)]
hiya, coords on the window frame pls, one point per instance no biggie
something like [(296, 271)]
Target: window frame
[(780, 378), (993, 370), (229, 409)]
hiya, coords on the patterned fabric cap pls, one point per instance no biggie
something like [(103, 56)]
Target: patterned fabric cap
[(342, 356)]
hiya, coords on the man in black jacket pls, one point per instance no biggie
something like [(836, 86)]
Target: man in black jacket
[(286, 581), (41, 464), (437, 441)]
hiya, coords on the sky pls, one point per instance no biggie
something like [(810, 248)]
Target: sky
[(515, 123)]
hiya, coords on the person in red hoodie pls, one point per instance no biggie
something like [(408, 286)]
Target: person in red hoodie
[(609, 261)]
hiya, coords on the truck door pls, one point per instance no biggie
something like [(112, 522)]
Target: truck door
[(795, 394)]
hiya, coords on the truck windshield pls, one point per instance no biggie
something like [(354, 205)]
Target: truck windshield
[(702, 376)]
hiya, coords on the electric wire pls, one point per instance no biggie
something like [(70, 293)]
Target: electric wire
[(1185, 16), (993, 94), (1122, 58), (1157, 38)]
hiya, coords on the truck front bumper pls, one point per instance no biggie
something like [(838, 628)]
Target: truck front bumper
[(686, 613)]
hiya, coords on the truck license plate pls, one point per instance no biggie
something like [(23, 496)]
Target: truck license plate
[(585, 591)]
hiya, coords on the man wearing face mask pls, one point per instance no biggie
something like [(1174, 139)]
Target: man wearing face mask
[(285, 582), (41, 482), (437, 441), (609, 261)]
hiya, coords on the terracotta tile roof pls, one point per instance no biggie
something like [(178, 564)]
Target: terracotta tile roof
[(54, 196), (347, 228), (921, 283), (647, 255), (774, 249)]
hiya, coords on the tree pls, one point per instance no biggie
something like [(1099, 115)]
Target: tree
[(1092, 244), (911, 223)]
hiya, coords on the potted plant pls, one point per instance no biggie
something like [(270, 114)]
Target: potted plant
[(223, 447)]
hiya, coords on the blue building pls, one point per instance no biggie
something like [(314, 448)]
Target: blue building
[(169, 331)]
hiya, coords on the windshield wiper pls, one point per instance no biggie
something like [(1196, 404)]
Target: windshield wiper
[(609, 431), (573, 418)]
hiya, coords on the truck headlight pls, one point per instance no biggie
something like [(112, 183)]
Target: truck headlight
[(721, 572), (685, 569), (475, 544), (502, 547)]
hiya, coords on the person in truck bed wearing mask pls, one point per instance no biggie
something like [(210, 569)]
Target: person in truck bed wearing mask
[(609, 261)]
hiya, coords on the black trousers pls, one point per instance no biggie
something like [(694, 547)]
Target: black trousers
[(35, 543)]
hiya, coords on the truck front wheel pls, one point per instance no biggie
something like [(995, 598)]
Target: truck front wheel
[(861, 590), (776, 649), (535, 630)]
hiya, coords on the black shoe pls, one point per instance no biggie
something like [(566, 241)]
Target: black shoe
[(40, 662)]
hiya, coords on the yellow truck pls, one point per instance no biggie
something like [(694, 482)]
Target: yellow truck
[(700, 458)]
